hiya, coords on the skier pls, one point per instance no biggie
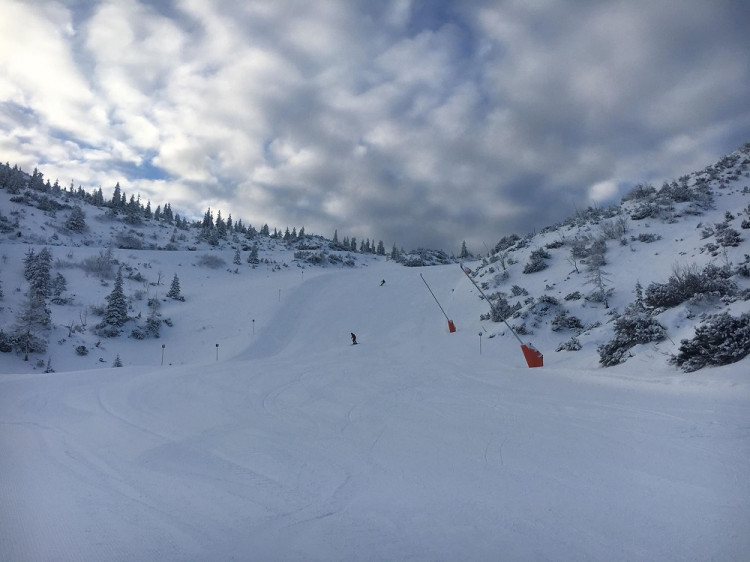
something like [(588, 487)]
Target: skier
[(382, 282), (354, 339)]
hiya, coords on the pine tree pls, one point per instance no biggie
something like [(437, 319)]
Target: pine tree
[(58, 285), (395, 255), (37, 271), (99, 198), (28, 264), (118, 362), (174, 289), (464, 252), (116, 196), (253, 256), (77, 220), (208, 219), (221, 226), (237, 258), (117, 305), (33, 317)]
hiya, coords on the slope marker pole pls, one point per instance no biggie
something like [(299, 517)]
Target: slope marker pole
[(534, 357), (451, 325)]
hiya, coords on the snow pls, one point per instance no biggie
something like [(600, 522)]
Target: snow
[(252, 429), (296, 445)]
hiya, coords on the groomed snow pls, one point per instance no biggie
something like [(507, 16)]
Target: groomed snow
[(291, 444)]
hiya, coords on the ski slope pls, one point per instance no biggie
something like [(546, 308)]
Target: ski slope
[(291, 444)]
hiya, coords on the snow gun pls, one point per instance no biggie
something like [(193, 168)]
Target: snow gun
[(533, 356), (451, 325)]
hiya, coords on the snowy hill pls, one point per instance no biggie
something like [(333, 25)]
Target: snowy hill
[(563, 288), (252, 429)]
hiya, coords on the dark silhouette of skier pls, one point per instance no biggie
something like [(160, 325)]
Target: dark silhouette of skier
[(354, 339), (382, 282)]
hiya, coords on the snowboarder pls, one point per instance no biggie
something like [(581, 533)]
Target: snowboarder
[(354, 339)]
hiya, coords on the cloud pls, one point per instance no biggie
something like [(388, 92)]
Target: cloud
[(421, 124)]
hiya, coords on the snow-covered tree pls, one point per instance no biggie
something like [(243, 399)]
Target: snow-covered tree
[(634, 326), (536, 261), (174, 289), (33, 318), (116, 196), (58, 286), (36, 270), (221, 226), (395, 254), (34, 315), (76, 222), (116, 313)]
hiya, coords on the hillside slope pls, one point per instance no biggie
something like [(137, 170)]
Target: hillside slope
[(409, 445)]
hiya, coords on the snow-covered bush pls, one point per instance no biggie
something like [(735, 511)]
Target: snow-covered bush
[(536, 261), (6, 345), (517, 291), (727, 236), (214, 262), (422, 257), (138, 333), (645, 211), (646, 237), (101, 265), (500, 308), (721, 340), (687, 281), (506, 242), (573, 344), (563, 321), (128, 240), (634, 326), (639, 191)]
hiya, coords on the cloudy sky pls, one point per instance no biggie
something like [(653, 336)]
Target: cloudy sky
[(419, 123)]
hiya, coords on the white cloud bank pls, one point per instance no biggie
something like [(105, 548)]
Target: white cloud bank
[(415, 123)]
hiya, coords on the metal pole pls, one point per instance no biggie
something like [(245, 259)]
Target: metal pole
[(217, 351), (434, 297), (162, 354), (512, 331)]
